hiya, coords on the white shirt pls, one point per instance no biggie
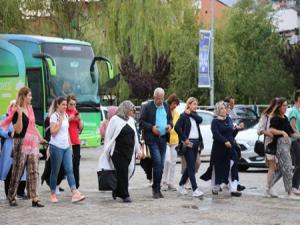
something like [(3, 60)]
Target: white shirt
[(194, 131), (61, 139)]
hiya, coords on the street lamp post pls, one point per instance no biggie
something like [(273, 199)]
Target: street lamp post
[(212, 21)]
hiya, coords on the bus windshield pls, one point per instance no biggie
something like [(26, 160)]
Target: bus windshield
[(73, 73)]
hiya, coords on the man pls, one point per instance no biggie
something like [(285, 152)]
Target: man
[(230, 108), (156, 123), (294, 118)]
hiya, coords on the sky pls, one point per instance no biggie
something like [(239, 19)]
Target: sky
[(229, 2)]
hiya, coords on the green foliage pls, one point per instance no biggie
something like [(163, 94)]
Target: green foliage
[(247, 53), (11, 17)]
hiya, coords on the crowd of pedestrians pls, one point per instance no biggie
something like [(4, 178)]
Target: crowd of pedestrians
[(161, 130)]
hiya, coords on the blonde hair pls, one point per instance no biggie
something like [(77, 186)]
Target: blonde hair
[(190, 101), (22, 93), (218, 107)]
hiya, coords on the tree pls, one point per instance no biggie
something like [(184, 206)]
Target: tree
[(248, 62), (11, 20)]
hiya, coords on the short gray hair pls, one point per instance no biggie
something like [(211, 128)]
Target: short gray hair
[(124, 108), (158, 92)]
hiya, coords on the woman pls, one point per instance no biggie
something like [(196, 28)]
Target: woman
[(170, 162), (26, 148), (264, 129), (188, 130), (75, 128), (111, 111), (5, 156), (60, 149), (281, 144), (222, 167), (120, 148)]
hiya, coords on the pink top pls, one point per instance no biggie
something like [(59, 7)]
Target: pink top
[(30, 144)]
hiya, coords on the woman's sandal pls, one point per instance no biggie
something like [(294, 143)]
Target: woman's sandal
[(13, 202), (37, 204)]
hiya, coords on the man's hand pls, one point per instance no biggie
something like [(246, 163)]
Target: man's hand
[(240, 126), (168, 128), (155, 130), (228, 144)]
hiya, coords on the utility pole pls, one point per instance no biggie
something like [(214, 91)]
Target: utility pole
[(212, 22)]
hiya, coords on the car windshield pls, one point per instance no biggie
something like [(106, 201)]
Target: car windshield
[(245, 113), (73, 73), (206, 117)]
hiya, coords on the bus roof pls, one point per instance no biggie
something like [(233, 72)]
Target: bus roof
[(42, 39)]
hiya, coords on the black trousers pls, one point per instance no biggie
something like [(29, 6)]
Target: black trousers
[(121, 164), (76, 163), (21, 187)]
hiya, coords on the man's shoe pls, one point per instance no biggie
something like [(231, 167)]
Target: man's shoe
[(127, 200), (240, 187), (197, 193), (155, 194), (236, 194), (181, 190), (160, 194)]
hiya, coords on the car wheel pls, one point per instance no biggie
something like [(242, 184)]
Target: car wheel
[(242, 165)]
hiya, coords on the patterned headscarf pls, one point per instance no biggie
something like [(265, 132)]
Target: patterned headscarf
[(124, 108)]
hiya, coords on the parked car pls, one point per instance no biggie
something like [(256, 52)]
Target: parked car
[(245, 139)]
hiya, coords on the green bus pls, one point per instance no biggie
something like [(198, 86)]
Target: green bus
[(53, 67)]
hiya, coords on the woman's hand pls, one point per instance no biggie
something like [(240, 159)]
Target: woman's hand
[(228, 144), (285, 135), (43, 141), (268, 133), (72, 117), (48, 153)]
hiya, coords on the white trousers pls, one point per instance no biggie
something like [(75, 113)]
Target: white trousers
[(169, 166)]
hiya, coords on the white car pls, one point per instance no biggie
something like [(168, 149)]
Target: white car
[(245, 138)]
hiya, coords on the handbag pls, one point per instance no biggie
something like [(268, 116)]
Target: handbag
[(259, 148), (181, 149), (107, 180), (145, 151)]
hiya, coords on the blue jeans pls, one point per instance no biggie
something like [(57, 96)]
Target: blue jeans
[(158, 152), (190, 157), (57, 157)]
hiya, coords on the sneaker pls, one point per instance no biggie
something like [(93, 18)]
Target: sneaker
[(296, 191), (164, 187), (197, 193), (53, 198), (181, 190), (77, 197), (272, 193)]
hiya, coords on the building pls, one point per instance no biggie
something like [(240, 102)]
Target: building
[(220, 7)]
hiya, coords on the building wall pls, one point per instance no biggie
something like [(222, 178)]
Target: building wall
[(204, 11)]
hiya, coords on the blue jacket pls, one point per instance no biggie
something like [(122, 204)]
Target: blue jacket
[(147, 120)]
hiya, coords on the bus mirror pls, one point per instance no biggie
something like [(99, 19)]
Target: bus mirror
[(51, 66), (108, 65), (50, 62), (110, 70)]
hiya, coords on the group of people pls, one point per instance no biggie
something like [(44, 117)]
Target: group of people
[(282, 144), (20, 141), (162, 129)]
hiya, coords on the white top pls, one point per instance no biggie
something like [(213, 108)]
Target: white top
[(114, 127), (61, 139), (194, 131)]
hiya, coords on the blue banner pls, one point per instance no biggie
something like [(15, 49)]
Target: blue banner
[(203, 68)]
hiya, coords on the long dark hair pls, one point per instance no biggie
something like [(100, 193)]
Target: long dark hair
[(271, 106), (276, 110)]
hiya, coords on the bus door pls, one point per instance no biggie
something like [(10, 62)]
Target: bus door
[(35, 83), (12, 73)]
